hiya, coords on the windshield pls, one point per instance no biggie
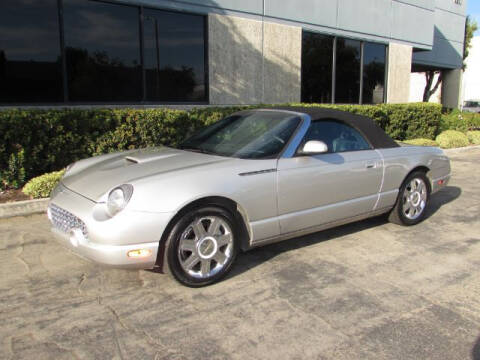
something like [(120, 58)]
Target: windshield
[(254, 135)]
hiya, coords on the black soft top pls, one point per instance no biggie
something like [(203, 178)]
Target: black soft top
[(366, 126)]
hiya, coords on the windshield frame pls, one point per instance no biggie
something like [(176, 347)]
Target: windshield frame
[(285, 149)]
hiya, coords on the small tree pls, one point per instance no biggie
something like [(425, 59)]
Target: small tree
[(429, 91), (470, 28)]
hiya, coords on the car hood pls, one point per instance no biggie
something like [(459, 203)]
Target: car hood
[(94, 177)]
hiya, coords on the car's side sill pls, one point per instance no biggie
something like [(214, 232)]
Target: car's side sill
[(317, 228)]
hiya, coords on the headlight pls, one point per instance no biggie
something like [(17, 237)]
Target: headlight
[(118, 198)]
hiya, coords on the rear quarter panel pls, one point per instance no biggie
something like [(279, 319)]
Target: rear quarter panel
[(399, 162)]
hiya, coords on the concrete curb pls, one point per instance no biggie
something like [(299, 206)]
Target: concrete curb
[(23, 208), (461, 149), (30, 207)]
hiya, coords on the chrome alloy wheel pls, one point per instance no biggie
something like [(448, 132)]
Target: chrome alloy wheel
[(205, 247), (414, 198)]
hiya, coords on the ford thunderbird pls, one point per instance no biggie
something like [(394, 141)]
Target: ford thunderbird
[(251, 179)]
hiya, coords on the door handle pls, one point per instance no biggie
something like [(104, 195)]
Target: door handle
[(370, 165)]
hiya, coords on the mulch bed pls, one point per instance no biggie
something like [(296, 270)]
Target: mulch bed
[(12, 195)]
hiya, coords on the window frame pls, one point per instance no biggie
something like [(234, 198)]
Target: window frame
[(360, 70), (385, 72), (64, 98), (142, 9), (334, 64), (58, 98), (333, 120), (68, 101), (332, 68)]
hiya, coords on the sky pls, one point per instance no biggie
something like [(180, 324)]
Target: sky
[(471, 78), (473, 9)]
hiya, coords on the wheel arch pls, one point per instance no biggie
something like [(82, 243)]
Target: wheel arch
[(235, 209), (423, 169)]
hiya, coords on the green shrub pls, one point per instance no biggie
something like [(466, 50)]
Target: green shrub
[(474, 137), (452, 139), (41, 186), (14, 174), (421, 142), (52, 139), (461, 121)]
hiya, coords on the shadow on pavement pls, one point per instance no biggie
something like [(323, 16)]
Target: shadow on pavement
[(443, 197), (255, 257), (476, 350)]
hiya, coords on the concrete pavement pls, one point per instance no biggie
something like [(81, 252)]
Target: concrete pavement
[(369, 290)]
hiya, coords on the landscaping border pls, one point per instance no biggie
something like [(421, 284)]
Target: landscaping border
[(23, 208)]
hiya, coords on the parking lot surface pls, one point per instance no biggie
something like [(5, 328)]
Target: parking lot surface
[(369, 290)]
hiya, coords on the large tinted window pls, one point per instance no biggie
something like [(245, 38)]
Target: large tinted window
[(373, 73), (338, 136), (317, 57), (347, 85), (30, 63), (102, 45), (174, 56)]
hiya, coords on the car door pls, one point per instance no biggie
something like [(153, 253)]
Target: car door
[(324, 188)]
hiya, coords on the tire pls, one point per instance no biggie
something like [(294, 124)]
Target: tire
[(412, 200), (202, 246)]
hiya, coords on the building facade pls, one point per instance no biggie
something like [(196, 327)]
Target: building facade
[(62, 52)]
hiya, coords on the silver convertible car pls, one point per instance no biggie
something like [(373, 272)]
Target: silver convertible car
[(253, 178)]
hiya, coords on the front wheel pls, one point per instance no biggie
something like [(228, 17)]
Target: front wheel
[(412, 200), (202, 246)]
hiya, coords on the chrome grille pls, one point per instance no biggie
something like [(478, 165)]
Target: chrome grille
[(65, 221)]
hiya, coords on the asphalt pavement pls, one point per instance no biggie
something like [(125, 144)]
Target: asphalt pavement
[(369, 290)]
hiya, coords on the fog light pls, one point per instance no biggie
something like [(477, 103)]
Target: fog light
[(139, 253), (76, 237)]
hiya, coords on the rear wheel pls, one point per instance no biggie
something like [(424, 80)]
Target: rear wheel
[(412, 200), (202, 246)]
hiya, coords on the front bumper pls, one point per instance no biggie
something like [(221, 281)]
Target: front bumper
[(84, 228), (110, 255)]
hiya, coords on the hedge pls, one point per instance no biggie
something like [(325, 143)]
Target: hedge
[(461, 121), (34, 142)]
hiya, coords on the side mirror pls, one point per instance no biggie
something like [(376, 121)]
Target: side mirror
[(314, 147)]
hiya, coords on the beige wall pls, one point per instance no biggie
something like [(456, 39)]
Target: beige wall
[(399, 69), (282, 67), (252, 62)]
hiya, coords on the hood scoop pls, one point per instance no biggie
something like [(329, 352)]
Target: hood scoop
[(145, 157), (131, 160)]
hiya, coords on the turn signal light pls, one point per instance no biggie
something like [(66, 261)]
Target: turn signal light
[(440, 182), (139, 253)]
